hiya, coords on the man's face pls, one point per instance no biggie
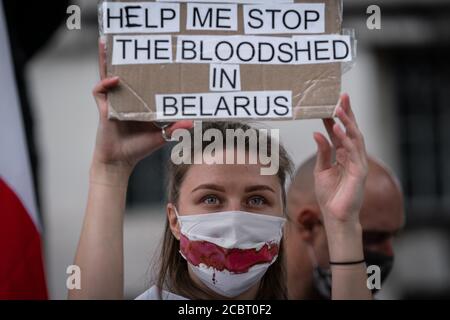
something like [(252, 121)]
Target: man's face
[(381, 217)]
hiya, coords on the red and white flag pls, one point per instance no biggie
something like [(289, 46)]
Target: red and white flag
[(21, 263)]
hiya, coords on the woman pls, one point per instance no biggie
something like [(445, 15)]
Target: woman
[(224, 222)]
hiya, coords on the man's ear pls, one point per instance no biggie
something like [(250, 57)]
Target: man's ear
[(308, 220), (173, 221)]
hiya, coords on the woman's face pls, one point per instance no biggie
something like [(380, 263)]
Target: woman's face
[(229, 187), (238, 187)]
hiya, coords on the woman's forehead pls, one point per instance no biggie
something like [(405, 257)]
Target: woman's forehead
[(235, 175)]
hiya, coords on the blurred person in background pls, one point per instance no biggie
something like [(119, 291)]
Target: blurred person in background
[(382, 216)]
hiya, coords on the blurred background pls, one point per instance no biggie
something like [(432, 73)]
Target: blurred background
[(399, 87)]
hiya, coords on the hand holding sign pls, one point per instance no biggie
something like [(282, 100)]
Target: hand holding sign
[(123, 143)]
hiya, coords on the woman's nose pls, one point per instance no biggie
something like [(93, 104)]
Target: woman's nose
[(235, 205)]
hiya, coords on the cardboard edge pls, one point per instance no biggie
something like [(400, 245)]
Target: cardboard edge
[(314, 112)]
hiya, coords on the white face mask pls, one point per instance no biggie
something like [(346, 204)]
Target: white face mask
[(230, 251)]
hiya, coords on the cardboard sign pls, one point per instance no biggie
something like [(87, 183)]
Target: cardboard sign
[(237, 59)]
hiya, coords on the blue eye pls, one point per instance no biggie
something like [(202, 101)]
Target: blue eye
[(256, 201), (211, 200)]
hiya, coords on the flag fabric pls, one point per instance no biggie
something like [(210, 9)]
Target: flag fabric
[(21, 259)]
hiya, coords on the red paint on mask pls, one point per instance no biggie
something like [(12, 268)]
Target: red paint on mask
[(234, 260)]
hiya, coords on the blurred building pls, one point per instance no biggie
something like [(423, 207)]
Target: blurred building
[(400, 89)]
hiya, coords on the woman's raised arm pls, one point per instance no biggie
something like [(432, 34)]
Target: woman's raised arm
[(339, 189), (119, 146)]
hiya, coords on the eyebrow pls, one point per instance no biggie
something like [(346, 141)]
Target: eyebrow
[(259, 188), (209, 186), (380, 232), (384, 234), (216, 187)]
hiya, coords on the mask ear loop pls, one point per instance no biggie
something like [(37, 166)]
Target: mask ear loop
[(178, 216), (179, 223), (311, 253), (312, 256), (318, 274)]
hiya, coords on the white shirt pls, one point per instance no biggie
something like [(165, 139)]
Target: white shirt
[(153, 294)]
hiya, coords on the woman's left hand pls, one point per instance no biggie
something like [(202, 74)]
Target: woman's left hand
[(339, 185)]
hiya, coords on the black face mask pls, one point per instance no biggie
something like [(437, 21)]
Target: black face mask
[(384, 262), (322, 282), (322, 276)]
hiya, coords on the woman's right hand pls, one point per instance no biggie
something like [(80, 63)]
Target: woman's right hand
[(123, 143)]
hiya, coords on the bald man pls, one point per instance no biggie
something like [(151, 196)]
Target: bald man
[(381, 217)]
